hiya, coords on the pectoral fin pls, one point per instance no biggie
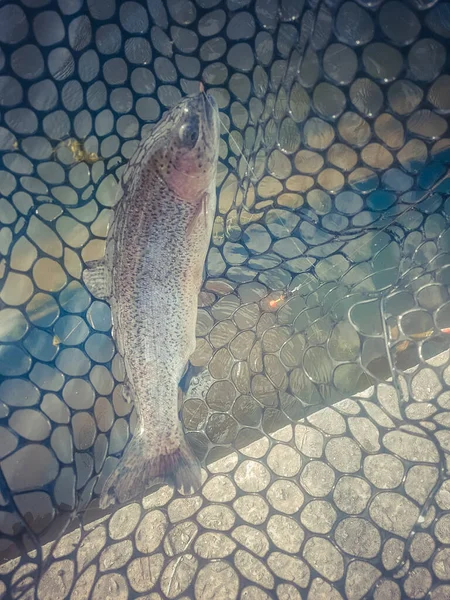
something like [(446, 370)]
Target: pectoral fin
[(98, 279)]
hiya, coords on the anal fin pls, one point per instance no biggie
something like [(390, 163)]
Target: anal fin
[(97, 279)]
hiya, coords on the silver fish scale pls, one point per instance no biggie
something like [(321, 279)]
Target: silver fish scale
[(155, 274)]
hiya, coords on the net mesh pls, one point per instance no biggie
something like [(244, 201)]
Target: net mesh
[(317, 397)]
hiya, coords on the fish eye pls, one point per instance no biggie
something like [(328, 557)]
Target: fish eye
[(189, 133)]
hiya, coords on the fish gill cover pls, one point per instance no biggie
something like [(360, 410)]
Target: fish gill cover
[(317, 396)]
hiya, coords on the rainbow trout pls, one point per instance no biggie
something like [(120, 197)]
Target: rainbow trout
[(151, 276)]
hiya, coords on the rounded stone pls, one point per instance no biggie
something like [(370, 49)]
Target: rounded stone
[(354, 129), (390, 131), (365, 432), (329, 101), (441, 564), (221, 428), (422, 547), (12, 94), (351, 494), (289, 568), (285, 496), (13, 361), (329, 421), (40, 345), (133, 17), (119, 436), (13, 325), (413, 155), (104, 414), (73, 362), (102, 380), (8, 442), (418, 583), (377, 156), (219, 489), (318, 134), (27, 62), (366, 96), (442, 529), (252, 476), (108, 582), (71, 330), (84, 430), (47, 377), (404, 96), (212, 545), (317, 478), (439, 93), (358, 537), (354, 26), (399, 23), (48, 28), (99, 347), (411, 447), (285, 533), (99, 316), (441, 592), (340, 63), (49, 275), (343, 454), (62, 444), (426, 59), (151, 531), (309, 441), (324, 558), (382, 62), (361, 576), (216, 581), (55, 409), (217, 517), (115, 556), (181, 537), (78, 394), (427, 124), (284, 461), (17, 289), (30, 424), (318, 516), (254, 540), (183, 508), (13, 24), (394, 513), (74, 234), (30, 467), (420, 481), (253, 569), (252, 509), (138, 50), (384, 471)]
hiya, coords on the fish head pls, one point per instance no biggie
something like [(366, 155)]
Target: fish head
[(186, 158)]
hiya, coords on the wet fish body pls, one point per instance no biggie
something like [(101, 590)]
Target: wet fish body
[(151, 276)]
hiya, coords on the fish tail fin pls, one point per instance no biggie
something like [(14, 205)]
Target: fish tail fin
[(145, 464)]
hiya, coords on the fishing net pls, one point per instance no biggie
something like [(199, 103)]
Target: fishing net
[(317, 397)]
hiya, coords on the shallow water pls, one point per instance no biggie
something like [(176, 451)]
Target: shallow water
[(317, 396)]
